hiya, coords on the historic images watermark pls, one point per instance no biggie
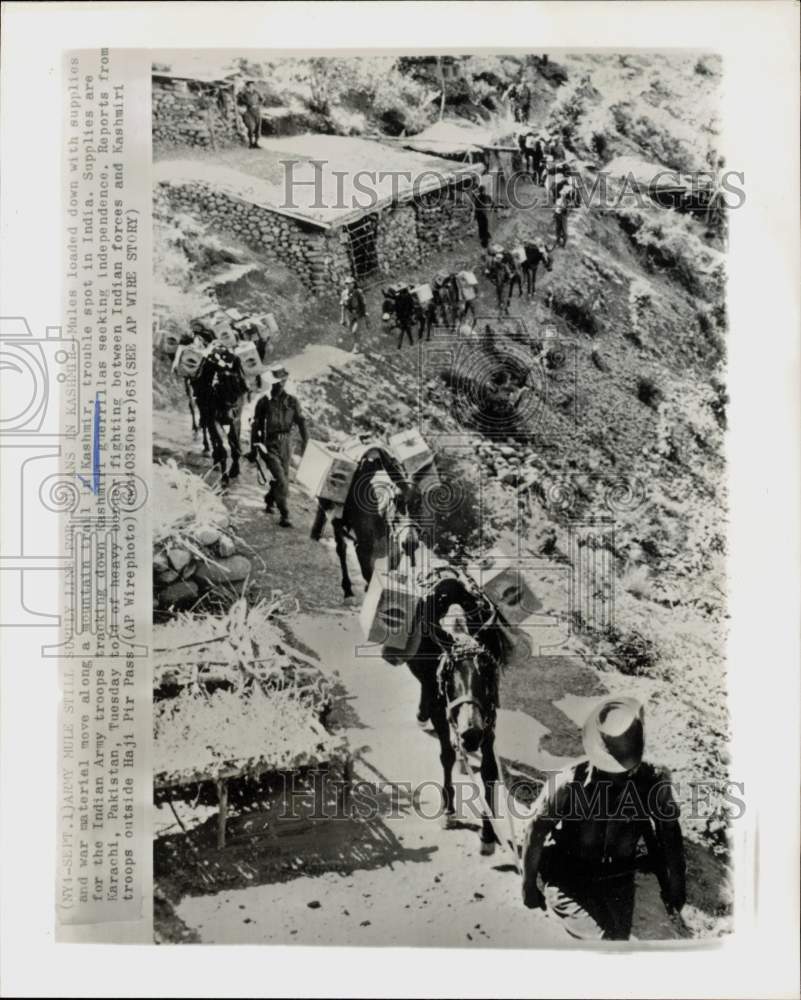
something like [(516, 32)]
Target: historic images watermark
[(326, 188), (318, 794)]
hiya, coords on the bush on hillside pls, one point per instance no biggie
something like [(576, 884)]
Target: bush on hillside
[(648, 392), (668, 242)]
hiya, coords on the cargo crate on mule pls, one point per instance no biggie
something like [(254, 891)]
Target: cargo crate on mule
[(389, 615), (325, 474)]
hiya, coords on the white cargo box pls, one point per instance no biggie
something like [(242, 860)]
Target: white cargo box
[(271, 323), (325, 474), (187, 360), (411, 450), (467, 278), (170, 342), (423, 294), (519, 255), (235, 316), (389, 614), (249, 358), (507, 588)]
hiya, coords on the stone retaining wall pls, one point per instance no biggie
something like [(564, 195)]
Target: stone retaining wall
[(405, 234), (206, 119)]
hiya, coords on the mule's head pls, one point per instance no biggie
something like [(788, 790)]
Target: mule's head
[(468, 680)]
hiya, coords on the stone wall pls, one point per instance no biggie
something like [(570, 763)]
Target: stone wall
[(187, 115), (319, 258), (442, 218), (396, 239)]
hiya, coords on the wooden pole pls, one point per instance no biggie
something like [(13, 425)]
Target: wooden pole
[(222, 796)]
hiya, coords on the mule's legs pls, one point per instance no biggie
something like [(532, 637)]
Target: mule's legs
[(342, 552), (447, 756), (364, 553), (424, 674), (192, 408), (489, 777)]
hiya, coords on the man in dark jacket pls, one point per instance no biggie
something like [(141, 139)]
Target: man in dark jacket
[(250, 101), (587, 823), (275, 416)]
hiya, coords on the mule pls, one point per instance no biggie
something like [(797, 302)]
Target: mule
[(462, 651), (505, 275), (220, 389), (536, 254), (401, 311), (375, 520)]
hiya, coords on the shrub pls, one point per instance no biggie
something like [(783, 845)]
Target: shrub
[(576, 312), (600, 144), (649, 393)]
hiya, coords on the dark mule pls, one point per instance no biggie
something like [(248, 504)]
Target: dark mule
[(536, 254), (374, 517), (401, 311), (504, 275), (220, 389), (462, 651)]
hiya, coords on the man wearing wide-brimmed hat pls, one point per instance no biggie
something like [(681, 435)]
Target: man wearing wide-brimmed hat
[(588, 822), (277, 412)]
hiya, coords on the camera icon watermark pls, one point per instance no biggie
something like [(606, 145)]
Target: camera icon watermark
[(40, 381), (497, 379)]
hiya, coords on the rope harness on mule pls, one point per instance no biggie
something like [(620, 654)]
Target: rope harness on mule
[(468, 645)]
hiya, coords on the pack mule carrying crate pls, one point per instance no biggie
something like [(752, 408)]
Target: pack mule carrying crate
[(389, 614), (325, 474)]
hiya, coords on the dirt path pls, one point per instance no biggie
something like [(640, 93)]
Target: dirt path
[(393, 877)]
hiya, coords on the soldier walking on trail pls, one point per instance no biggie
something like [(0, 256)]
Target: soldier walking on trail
[(353, 311), (275, 416), (250, 101), (482, 203), (560, 211), (588, 822)]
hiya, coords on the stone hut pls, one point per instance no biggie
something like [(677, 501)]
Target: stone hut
[(327, 206), (194, 111)]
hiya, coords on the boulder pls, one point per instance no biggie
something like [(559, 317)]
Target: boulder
[(206, 534), (231, 570), (179, 558), (180, 595), (225, 547)]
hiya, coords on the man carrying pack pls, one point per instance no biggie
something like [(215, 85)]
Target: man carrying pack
[(277, 412), (588, 822), (560, 211), (250, 101)]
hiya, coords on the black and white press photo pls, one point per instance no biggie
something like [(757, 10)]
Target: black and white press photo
[(440, 505)]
